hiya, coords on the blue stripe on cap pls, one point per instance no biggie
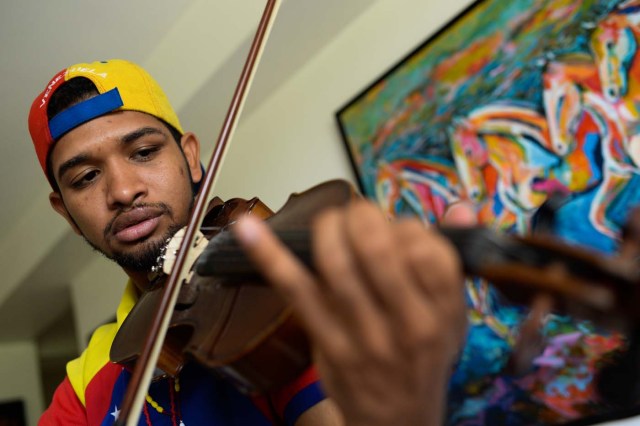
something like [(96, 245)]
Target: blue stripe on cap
[(84, 111)]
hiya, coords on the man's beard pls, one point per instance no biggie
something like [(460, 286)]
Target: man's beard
[(147, 254), (145, 257)]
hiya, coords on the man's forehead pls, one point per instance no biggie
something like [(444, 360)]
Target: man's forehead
[(110, 128)]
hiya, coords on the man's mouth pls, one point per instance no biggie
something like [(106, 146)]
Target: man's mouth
[(136, 224)]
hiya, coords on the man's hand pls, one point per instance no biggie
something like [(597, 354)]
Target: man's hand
[(385, 310)]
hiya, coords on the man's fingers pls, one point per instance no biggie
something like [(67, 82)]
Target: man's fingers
[(383, 307), (291, 278), (342, 281), (379, 256), (434, 265), (460, 213)]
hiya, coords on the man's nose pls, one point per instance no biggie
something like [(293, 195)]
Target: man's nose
[(124, 186)]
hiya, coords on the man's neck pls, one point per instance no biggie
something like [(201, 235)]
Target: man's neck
[(139, 279)]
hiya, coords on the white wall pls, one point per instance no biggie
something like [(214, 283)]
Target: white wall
[(291, 141), (20, 375)]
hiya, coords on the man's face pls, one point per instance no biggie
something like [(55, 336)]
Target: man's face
[(125, 185)]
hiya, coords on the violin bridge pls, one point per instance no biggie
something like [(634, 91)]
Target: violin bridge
[(167, 258)]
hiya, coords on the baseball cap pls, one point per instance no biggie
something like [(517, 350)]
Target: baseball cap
[(122, 85)]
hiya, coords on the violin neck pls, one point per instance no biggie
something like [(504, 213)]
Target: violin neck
[(225, 258)]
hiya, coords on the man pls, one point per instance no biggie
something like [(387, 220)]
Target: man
[(385, 310)]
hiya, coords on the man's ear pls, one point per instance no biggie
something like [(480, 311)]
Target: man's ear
[(191, 149), (55, 198)]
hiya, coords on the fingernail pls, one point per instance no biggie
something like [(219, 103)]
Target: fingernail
[(248, 230), (461, 213)]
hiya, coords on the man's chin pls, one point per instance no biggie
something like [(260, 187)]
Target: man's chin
[(142, 258)]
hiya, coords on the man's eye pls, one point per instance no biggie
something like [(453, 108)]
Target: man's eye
[(85, 179), (145, 153)]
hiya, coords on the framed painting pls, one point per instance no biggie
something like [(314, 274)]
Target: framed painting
[(507, 104)]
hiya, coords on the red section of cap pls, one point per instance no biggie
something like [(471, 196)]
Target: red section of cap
[(39, 123)]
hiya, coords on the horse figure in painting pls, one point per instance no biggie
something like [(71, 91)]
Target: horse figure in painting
[(425, 186), (582, 119), (579, 127), (614, 43), (597, 101), (492, 148)]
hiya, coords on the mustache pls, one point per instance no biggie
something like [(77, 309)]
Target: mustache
[(164, 208)]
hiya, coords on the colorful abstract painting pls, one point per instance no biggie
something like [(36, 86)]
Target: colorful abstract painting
[(511, 102)]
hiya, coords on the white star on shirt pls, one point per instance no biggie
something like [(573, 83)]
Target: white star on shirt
[(115, 413)]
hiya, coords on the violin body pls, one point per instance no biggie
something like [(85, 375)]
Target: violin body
[(238, 328)]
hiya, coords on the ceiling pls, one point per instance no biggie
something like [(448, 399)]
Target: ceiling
[(205, 41)]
